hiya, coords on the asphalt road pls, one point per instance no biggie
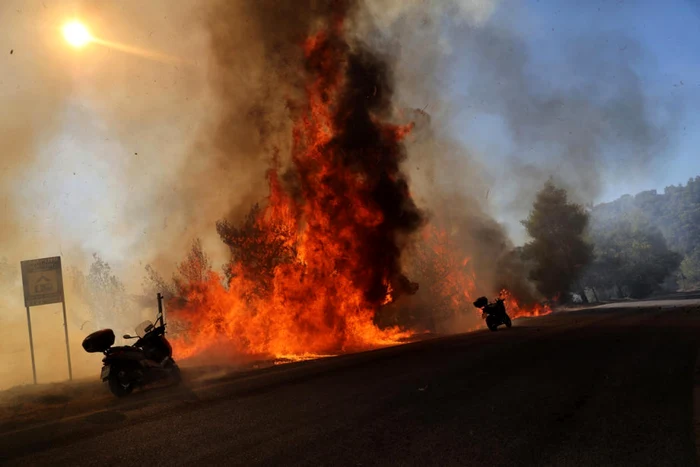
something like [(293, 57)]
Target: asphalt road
[(609, 386)]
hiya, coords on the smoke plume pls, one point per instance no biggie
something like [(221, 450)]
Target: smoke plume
[(585, 119), (131, 158)]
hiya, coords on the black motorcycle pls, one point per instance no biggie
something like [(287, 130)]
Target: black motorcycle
[(494, 313), (148, 360)]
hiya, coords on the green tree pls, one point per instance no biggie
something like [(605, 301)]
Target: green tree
[(675, 212), (690, 269), (634, 257), (558, 250), (257, 246)]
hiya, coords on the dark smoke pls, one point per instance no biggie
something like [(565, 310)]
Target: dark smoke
[(371, 152), (256, 80), (361, 146), (594, 126), (255, 74)]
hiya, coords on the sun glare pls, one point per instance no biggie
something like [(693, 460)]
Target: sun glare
[(76, 34)]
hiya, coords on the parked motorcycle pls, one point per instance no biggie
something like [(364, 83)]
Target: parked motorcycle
[(148, 360), (494, 313)]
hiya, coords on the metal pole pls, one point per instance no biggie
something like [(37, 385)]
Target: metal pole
[(65, 328), (160, 308), (31, 344)]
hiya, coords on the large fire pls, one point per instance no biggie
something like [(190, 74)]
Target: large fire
[(324, 255), (312, 269)]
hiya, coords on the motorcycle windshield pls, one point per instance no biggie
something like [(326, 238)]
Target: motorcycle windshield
[(143, 328)]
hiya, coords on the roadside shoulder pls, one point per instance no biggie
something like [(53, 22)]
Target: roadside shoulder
[(696, 405)]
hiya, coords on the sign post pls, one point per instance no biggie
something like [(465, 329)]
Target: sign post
[(65, 330), (42, 280), (31, 343)]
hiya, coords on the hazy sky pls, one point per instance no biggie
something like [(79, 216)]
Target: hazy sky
[(101, 137), (664, 37)]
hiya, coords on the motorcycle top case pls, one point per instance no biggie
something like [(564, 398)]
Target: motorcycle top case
[(99, 341)]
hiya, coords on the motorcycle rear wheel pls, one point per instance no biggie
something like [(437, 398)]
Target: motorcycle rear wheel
[(118, 388), (491, 324)]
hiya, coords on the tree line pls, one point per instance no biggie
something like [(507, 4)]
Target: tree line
[(631, 247)]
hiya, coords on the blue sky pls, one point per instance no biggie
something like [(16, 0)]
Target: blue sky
[(658, 40), (670, 32)]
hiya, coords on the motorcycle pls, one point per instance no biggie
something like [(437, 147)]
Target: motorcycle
[(148, 360), (494, 313)]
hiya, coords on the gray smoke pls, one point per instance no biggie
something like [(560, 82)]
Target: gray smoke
[(584, 121)]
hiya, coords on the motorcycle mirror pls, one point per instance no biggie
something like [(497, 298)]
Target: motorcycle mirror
[(126, 336)]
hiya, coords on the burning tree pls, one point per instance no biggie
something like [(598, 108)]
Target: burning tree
[(447, 281), (196, 269), (257, 247), (310, 269)]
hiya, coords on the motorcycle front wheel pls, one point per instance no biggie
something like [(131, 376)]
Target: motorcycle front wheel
[(119, 388), (507, 321)]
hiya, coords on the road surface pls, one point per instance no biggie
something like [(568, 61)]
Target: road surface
[(608, 386)]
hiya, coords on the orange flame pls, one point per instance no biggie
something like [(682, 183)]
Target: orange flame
[(515, 310), (318, 269)]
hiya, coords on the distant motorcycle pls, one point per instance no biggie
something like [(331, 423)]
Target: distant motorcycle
[(148, 360), (494, 313)]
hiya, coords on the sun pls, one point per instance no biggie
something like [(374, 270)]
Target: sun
[(76, 34)]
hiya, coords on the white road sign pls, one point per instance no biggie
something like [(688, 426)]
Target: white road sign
[(42, 281)]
